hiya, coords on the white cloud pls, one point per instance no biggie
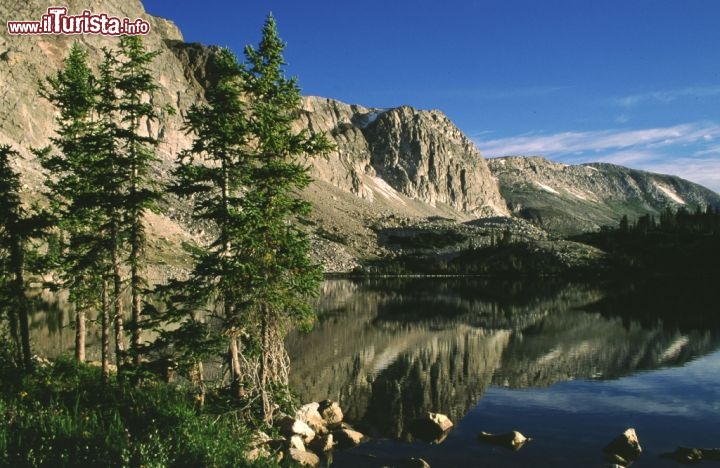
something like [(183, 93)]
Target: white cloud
[(600, 140), (668, 95)]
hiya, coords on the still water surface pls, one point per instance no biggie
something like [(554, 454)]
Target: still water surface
[(571, 365)]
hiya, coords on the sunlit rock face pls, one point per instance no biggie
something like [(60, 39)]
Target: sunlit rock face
[(402, 154)]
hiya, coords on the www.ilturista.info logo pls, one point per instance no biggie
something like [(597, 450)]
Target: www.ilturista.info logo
[(57, 21)]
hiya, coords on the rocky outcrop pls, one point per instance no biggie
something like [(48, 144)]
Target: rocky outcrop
[(423, 155), (569, 199), (402, 152), (27, 120), (309, 436)]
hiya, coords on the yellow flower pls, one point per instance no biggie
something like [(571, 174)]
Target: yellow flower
[(23, 394)]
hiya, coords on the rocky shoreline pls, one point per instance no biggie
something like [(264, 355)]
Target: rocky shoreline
[(317, 429)]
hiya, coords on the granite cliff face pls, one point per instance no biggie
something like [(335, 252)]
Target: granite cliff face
[(27, 120), (569, 199), (403, 153), (423, 155)]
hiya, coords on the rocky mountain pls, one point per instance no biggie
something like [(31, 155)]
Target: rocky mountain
[(402, 155), (388, 162), (395, 174), (569, 199)]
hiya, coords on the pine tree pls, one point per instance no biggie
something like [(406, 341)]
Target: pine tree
[(111, 186), (214, 172), (244, 171), (99, 182), (136, 85), (16, 227), (72, 91), (280, 274)]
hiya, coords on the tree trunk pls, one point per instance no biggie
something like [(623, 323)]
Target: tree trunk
[(79, 332), (135, 286), (14, 324), (117, 301), (135, 250), (199, 380), (264, 364), (104, 335), (235, 371), (18, 263)]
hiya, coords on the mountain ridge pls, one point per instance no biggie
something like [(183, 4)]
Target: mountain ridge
[(391, 168), (569, 199)]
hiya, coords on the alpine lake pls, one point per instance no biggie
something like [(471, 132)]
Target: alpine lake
[(569, 364)]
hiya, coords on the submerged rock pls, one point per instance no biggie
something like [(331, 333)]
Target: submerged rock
[(431, 427), (347, 437), (411, 463), (330, 412), (624, 449), (512, 440), (691, 456)]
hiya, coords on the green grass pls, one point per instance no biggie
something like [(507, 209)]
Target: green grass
[(65, 415)]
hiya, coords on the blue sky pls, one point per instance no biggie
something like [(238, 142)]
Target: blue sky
[(635, 82)]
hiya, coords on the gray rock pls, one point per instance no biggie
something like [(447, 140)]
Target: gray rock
[(568, 199), (296, 442), (346, 437), (309, 415), (304, 458), (690, 455), (431, 427), (331, 412), (322, 443), (410, 463), (512, 440), (624, 449), (291, 426)]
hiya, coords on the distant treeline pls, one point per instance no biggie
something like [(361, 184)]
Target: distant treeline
[(675, 242), (700, 221)]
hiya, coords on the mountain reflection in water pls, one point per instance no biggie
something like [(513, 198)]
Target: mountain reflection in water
[(391, 349)]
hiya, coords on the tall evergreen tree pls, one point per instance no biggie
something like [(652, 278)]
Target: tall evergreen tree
[(136, 85), (100, 186), (214, 172), (280, 275), (244, 171), (16, 227), (72, 91), (111, 186)]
